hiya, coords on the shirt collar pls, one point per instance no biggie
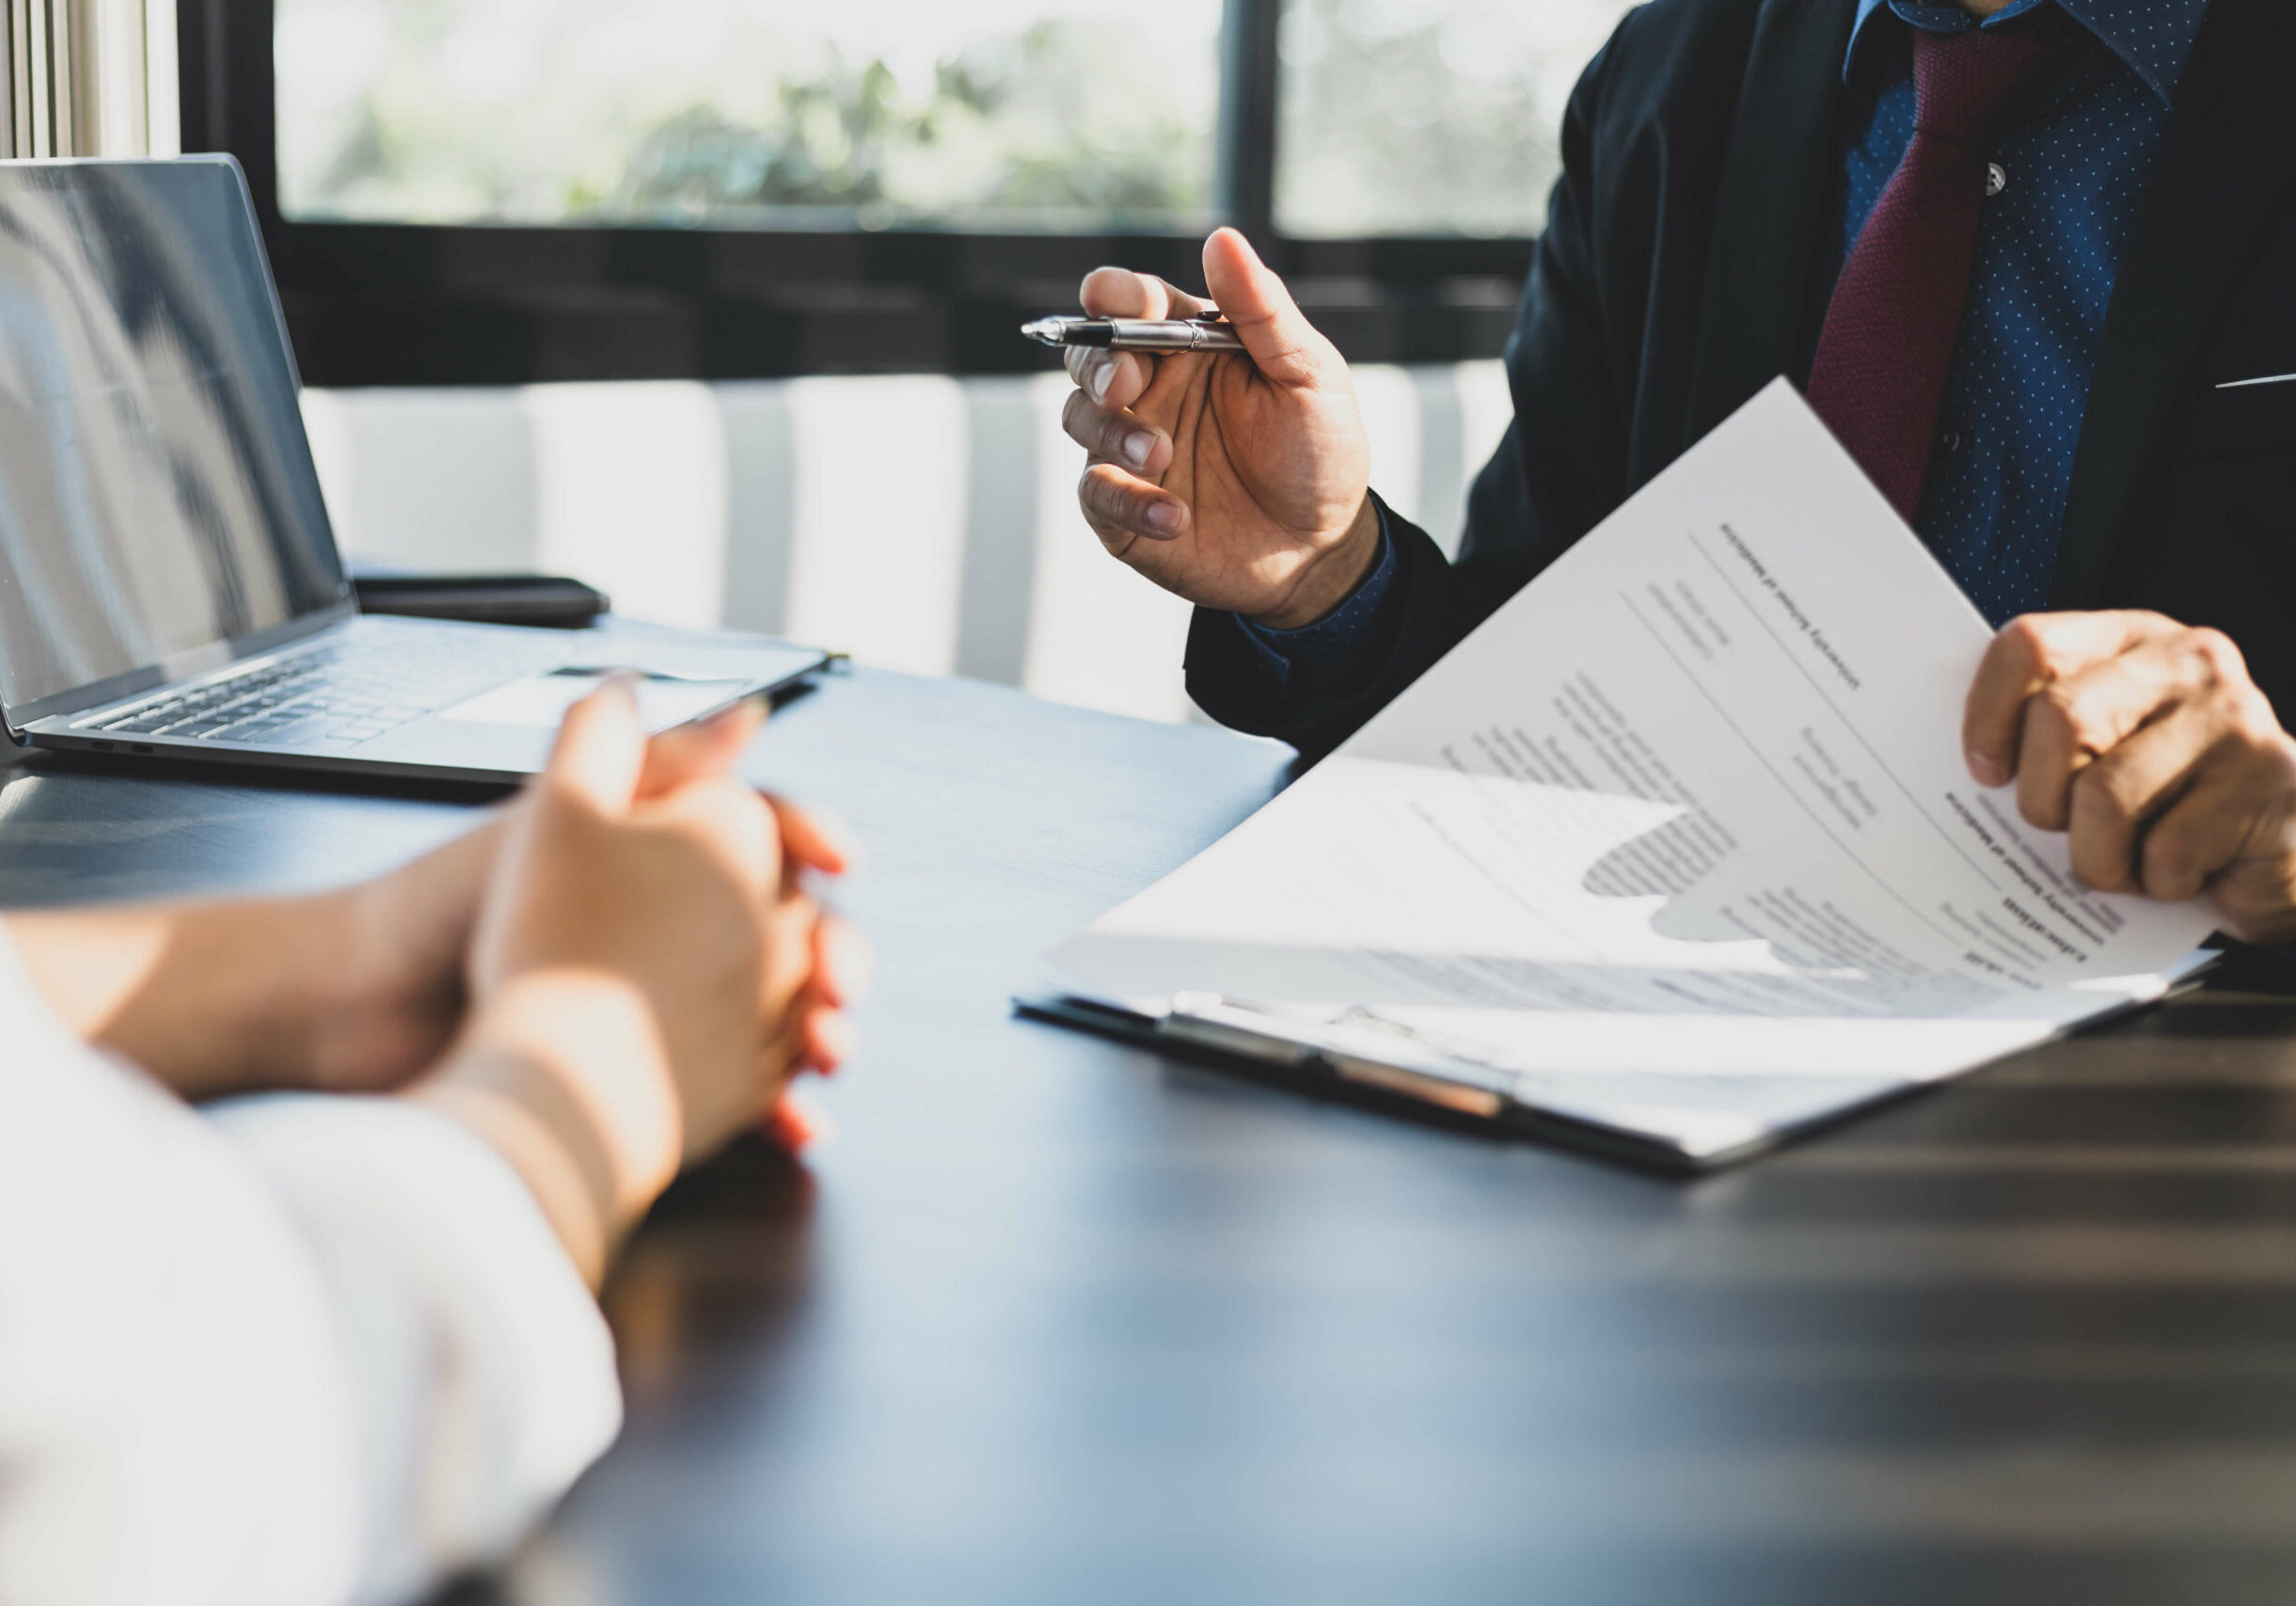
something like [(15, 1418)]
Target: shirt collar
[(2153, 37)]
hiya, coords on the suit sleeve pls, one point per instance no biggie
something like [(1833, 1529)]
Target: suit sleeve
[(1560, 468)]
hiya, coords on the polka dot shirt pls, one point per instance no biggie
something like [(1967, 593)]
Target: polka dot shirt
[(2068, 177)]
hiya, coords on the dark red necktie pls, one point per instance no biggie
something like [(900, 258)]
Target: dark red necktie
[(1887, 346)]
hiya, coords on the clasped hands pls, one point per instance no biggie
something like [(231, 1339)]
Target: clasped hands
[(614, 975), (1243, 486)]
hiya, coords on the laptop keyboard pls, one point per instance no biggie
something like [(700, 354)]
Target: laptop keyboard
[(339, 694)]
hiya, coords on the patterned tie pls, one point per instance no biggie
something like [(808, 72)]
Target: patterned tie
[(1887, 346)]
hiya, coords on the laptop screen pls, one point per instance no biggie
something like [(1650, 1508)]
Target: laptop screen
[(157, 495)]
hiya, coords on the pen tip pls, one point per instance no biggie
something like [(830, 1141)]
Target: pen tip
[(1045, 330)]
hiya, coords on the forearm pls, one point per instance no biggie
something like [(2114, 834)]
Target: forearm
[(355, 990), (564, 1074), (210, 998)]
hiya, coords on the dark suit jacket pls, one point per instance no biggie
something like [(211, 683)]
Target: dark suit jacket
[(1681, 271)]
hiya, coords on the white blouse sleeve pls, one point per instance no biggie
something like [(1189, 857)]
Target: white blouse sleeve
[(297, 1350)]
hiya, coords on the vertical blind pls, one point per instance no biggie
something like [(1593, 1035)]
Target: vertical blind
[(89, 78)]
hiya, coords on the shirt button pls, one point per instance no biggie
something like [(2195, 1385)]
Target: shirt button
[(1996, 179), (1949, 441)]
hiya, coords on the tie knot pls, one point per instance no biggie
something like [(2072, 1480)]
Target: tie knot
[(1968, 85)]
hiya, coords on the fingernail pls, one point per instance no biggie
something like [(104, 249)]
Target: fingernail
[(840, 839), (831, 1034), (1097, 382), (1987, 771), (790, 1125), (1137, 445), (1163, 518)]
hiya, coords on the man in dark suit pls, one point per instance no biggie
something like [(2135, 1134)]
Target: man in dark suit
[(2035, 261)]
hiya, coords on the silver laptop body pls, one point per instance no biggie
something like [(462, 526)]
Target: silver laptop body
[(170, 584)]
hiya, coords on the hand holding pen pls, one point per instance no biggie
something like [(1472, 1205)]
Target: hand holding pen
[(1240, 485)]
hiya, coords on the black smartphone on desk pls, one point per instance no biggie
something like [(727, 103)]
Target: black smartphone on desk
[(552, 601)]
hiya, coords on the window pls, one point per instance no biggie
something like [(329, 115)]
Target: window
[(501, 191), (1426, 116), (991, 116)]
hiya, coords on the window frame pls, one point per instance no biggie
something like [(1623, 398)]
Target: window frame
[(422, 304)]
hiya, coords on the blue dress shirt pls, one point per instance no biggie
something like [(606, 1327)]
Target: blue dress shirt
[(2073, 171)]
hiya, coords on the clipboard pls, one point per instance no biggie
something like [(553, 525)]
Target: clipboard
[(1461, 1103), (1206, 1033), (1678, 851)]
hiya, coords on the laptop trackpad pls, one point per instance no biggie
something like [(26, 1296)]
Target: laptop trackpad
[(541, 701)]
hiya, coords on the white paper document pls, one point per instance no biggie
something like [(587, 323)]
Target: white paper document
[(1680, 842)]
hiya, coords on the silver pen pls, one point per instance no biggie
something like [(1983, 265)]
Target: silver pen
[(1207, 333)]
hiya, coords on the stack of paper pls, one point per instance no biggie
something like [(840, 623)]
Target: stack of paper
[(1680, 843)]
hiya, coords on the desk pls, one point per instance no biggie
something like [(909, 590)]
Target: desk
[(1053, 1320)]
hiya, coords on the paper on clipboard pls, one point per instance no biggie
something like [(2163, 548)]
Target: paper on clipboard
[(1680, 841)]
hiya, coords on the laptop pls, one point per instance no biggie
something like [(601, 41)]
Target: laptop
[(170, 584)]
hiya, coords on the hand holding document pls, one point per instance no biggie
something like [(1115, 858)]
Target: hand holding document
[(1680, 844)]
